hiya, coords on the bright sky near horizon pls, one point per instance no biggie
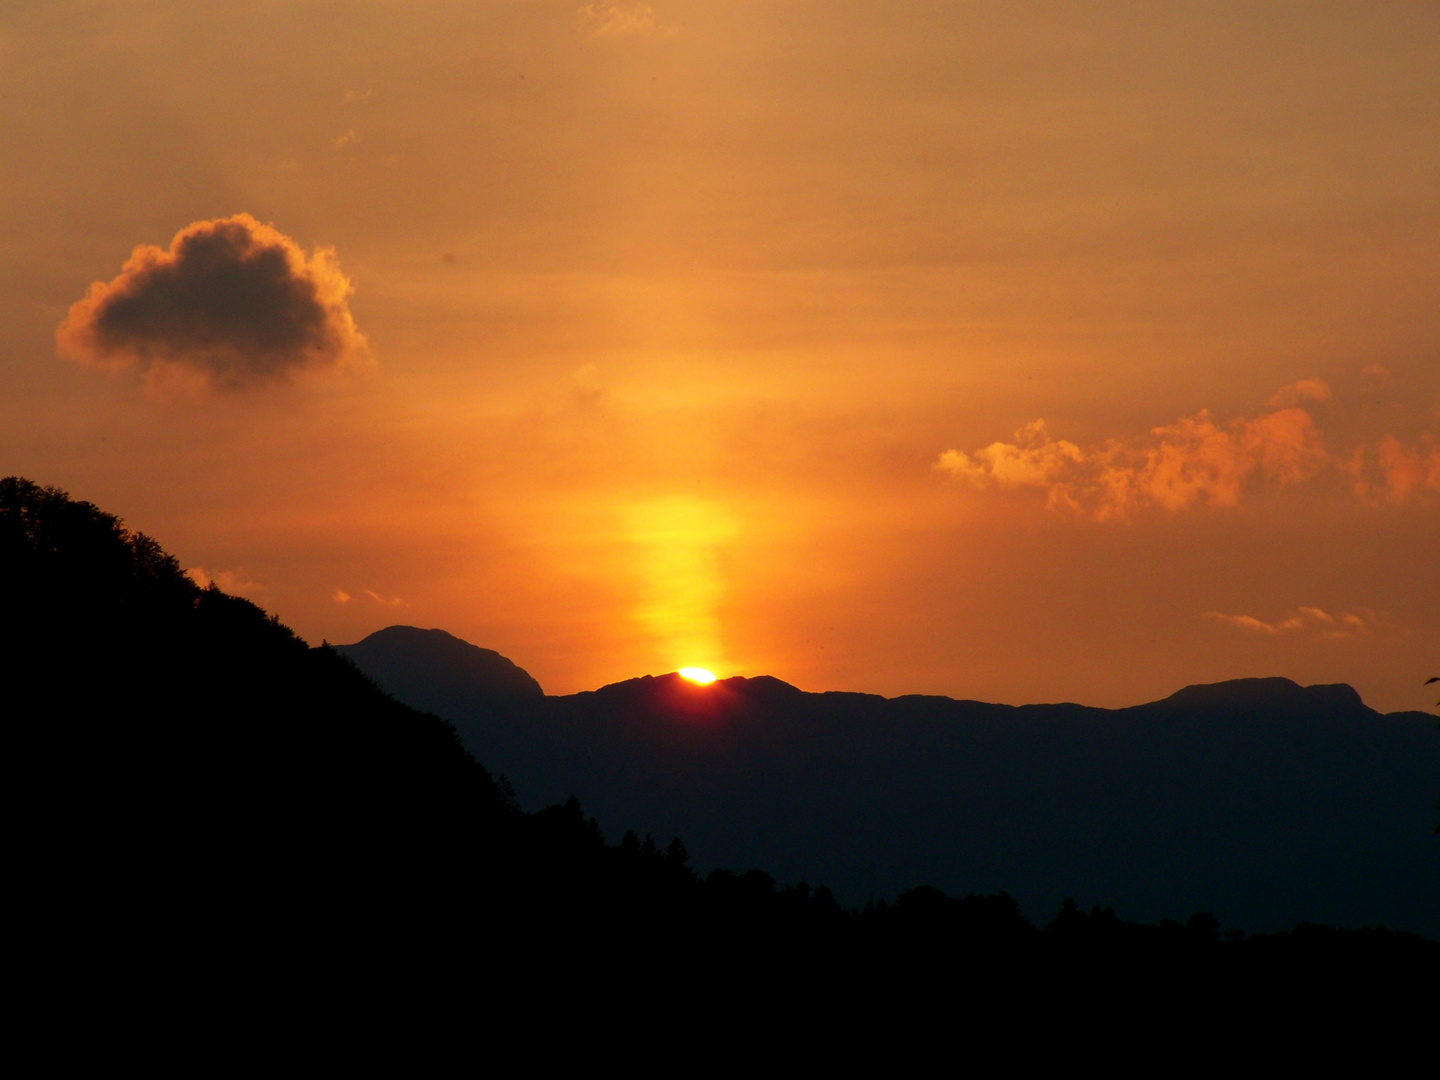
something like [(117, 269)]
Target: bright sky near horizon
[(1017, 352)]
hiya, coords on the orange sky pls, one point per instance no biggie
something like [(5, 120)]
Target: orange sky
[(718, 334)]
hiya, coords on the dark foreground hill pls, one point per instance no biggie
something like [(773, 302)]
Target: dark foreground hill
[(1262, 801), (224, 845)]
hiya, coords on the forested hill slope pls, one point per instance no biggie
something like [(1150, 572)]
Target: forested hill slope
[(173, 737)]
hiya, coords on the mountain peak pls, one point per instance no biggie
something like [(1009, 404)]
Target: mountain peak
[(1267, 693), (436, 670)]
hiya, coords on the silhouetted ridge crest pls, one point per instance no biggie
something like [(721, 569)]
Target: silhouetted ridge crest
[(757, 686), (1265, 693), (1227, 796), (437, 671)]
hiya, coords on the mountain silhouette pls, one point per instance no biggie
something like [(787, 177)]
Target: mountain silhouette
[(436, 672), (1263, 801)]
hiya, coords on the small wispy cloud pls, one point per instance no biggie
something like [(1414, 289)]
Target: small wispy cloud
[(235, 582), (340, 596), (1304, 390), (587, 388), (620, 20), (1320, 622), (348, 138)]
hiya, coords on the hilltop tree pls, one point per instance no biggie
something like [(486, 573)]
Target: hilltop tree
[(1435, 679)]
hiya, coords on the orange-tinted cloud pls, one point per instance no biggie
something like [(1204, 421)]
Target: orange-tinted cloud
[(1400, 472), (235, 582), (1407, 470), (1322, 622), (340, 596), (1191, 462), (1305, 389), (618, 20), (232, 302)]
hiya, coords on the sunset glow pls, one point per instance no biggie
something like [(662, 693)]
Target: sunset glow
[(697, 675), (1059, 353)]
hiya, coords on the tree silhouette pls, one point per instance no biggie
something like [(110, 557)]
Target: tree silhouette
[(1435, 679)]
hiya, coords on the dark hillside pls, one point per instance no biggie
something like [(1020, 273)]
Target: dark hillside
[(175, 743)]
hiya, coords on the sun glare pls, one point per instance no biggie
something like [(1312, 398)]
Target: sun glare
[(697, 674)]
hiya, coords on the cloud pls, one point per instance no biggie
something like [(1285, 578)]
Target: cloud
[(1249, 622), (235, 582), (1304, 390), (1191, 462), (1400, 472), (349, 138), (1323, 623), (619, 20), (340, 596), (1408, 469), (587, 387), (231, 303), (1379, 371)]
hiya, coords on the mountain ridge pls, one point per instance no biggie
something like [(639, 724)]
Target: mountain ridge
[(1265, 801), (1242, 691)]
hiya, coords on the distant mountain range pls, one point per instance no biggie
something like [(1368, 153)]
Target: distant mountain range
[(1263, 801)]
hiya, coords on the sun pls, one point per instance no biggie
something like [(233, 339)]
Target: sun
[(697, 675)]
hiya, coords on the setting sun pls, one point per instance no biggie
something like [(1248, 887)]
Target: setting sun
[(697, 674)]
